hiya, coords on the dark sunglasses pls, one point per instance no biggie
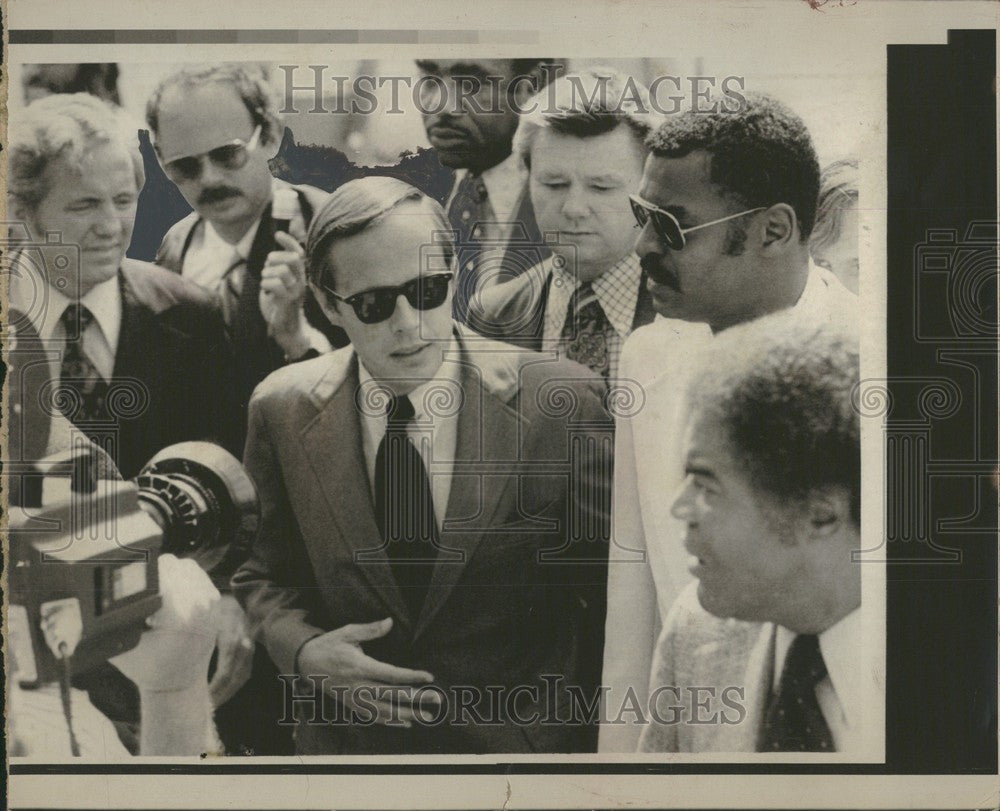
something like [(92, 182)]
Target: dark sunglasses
[(666, 225), (379, 303), (231, 156)]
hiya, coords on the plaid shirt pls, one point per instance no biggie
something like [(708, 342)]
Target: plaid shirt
[(617, 291)]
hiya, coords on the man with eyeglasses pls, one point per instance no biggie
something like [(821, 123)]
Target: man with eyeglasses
[(726, 204), (215, 128), (434, 509)]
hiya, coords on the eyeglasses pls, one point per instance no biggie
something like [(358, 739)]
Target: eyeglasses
[(230, 156), (379, 303), (666, 225)]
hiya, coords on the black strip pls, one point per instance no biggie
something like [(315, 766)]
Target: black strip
[(942, 616)]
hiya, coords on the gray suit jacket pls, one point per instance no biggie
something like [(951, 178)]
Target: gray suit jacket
[(710, 682), (513, 598)]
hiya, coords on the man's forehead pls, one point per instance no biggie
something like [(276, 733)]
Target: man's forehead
[(678, 181), (206, 115)]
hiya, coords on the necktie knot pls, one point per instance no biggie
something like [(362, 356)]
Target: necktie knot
[(804, 661), (76, 318), (400, 412)]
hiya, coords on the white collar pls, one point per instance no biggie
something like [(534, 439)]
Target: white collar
[(213, 242), (840, 645), (45, 304), (447, 374), (505, 184), (617, 290)]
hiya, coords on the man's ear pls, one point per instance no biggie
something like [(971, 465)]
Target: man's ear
[(275, 132), (328, 307), (781, 227), (828, 510), (20, 212)]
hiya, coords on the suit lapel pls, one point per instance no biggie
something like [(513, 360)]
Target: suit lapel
[(132, 355), (757, 679), (332, 442), (486, 429)]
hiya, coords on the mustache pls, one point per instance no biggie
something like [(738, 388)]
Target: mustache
[(654, 270), (216, 194)]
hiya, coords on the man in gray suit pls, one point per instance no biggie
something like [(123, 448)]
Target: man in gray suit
[(434, 532), (583, 145), (772, 633)]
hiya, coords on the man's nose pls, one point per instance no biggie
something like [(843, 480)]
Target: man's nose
[(575, 204), (405, 317), (648, 242), (683, 506), (107, 221)]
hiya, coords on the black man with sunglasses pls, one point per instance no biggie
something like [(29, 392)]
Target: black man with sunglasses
[(431, 565), (726, 204)]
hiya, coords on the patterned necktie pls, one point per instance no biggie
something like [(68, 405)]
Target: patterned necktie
[(469, 208), (585, 331), (404, 507), (84, 391), (794, 722)]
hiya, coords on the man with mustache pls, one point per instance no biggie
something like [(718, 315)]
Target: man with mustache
[(215, 128), (726, 203), (471, 108)]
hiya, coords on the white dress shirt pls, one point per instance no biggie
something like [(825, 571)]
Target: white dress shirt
[(44, 305), (209, 256), (433, 429), (842, 692)]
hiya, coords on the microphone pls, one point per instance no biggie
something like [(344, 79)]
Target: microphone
[(283, 208)]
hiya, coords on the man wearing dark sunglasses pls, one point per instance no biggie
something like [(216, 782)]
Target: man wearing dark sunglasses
[(726, 204), (215, 128), (419, 492)]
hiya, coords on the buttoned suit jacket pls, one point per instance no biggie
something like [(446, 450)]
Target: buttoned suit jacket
[(514, 311), (711, 680), (495, 613)]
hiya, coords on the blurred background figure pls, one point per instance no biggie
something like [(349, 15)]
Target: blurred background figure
[(834, 241)]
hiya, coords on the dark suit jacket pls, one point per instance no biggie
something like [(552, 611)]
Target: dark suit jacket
[(515, 311), (172, 354), (525, 248), (533, 450), (172, 382), (255, 357)]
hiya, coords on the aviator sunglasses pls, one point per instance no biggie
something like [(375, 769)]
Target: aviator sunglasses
[(230, 156), (666, 225), (379, 303)]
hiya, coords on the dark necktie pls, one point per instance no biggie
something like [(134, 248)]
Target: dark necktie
[(469, 208), (585, 331), (794, 722), (404, 507), (84, 391)]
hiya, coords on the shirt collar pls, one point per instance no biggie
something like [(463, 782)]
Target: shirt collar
[(447, 375), (839, 645), (617, 290), (212, 240), (45, 304), (505, 184)]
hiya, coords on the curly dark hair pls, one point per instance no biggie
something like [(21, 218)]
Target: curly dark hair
[(782, 389), (762, 154)]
